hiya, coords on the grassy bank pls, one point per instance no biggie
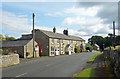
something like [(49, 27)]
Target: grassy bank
[(94, 57), (87, 73)]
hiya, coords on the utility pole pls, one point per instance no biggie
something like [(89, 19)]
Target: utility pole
[(33, 35), (114, 34)]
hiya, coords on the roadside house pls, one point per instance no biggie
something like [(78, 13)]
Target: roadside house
[(23, 47), (96, 47), (53, 43)]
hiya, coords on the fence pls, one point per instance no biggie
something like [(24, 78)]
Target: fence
[(114, 57)]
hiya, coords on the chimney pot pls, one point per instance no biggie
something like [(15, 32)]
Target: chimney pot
[(65, 32), (54, 30)]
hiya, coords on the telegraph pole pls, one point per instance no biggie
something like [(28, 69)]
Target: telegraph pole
[(114, 34), (33, 35)]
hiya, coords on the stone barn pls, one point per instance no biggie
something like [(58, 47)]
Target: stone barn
[(23, 47)]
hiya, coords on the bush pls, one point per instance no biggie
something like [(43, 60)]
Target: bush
[(67, 53), (8, 51), (71, 51), (112, 48), (76, 50), (5, 52), (90, 48)]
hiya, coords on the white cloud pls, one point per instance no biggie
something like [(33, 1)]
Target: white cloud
[(14, 24), (54, 14), (84, 18), (74, 21), (59, 0), (39, 0), (91, 11), (77, 11), (60, 30)]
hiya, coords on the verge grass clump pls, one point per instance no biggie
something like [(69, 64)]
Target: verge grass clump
[(94, 57), (87, 73)]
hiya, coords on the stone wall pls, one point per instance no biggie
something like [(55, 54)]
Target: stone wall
[(8, 60)]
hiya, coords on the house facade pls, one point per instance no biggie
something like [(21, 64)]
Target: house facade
[(53, 43)]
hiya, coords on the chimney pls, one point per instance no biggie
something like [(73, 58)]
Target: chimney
[(65, 32), (54, 30)]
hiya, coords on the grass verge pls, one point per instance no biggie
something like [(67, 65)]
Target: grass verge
[(94, 57), (87, 74)]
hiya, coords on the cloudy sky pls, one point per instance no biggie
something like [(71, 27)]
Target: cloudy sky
[(83, 19)]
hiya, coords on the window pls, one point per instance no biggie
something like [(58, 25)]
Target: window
[(71, 48), (61, 49), (52, 50), (57, 48), (68, 42), (57, 41), (52, 41), (61, 41), (71, 42)]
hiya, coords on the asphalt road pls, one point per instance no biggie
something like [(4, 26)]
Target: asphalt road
[(60, 66)]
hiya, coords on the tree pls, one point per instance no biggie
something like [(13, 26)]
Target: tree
[(9, 38), (107, 41), (99, 40), (6, 38), (1, 37), (117, 40)]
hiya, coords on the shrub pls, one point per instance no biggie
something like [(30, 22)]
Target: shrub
[(67, 53), (8, 51), (5, 52), (71, 51), (76, 50), (79, 51), (112, 48), (90, 48)]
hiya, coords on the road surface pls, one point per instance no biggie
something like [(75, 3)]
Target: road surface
[(60, 66)]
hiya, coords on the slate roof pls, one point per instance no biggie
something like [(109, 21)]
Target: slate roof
[(59, 35), (14, 43)]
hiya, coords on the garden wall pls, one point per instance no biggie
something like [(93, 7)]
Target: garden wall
[(114, 58), (8, 60)]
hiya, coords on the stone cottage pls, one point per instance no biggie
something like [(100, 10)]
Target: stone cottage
[(23, 47), (53, 43)]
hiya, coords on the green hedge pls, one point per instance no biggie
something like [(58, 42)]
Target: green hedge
[(90, 47), (112, 48)]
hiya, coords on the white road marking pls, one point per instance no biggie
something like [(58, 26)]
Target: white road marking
[(21, 75)]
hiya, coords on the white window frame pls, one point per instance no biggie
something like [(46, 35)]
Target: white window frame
[(52, 51), (61, 41), (58, 48), (68, 41), (61, 49), (58, 42)]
